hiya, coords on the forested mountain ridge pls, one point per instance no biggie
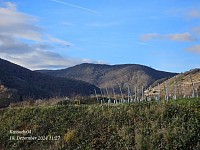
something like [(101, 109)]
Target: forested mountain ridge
[(37, 85), (109, 76)]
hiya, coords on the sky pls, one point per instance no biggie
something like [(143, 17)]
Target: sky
[(55, 34)]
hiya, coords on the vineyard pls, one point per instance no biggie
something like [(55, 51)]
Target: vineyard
[(141, 126)]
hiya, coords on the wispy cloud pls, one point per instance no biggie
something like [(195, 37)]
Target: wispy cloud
[(45, 60), (195, 49), (76, 6), (17, 24), (150, 36), (23, 42), (196, 30), (59, 41), (67, 23), (181, 37), (102, 24), (142, 43), (193, 13)]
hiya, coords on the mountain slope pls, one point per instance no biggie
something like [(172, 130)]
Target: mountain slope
[(182, 85), (37, 85), (110, 75)]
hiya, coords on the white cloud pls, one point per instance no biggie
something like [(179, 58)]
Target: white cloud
[(44, 60), (193, 13), (59, 41), (10, 45), (18, 24), (23, 42), (142, 43), (196, 30), (150, 36), (100, 24), (195, 49), (180, 37), (67, 23)]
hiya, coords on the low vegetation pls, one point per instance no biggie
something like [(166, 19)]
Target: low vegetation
[(148, 125)]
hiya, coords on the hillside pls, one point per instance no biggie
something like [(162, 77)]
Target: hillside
[(182, 85), (138, 126), (109, 76), (31, 84)]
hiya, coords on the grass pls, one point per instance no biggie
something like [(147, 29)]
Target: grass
[(147, 126)]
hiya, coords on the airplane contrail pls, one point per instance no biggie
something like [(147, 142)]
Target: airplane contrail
[(142, 43), (83, 8)]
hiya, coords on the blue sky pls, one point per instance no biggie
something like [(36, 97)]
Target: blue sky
[(53, 34)]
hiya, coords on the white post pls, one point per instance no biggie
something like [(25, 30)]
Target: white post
[(193, 88), (142, 93), (129, 94), (115, 99), (175, 88), (166, 91), (108, 96), (96, 95), (159, 97), (135, 99), (122, 97), (102, 95)]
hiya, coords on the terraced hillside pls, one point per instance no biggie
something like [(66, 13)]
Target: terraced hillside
[(183, 85)]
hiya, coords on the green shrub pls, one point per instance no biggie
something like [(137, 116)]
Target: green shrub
[(149, 125)]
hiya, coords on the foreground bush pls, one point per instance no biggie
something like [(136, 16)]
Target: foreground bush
[(129, 126)]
